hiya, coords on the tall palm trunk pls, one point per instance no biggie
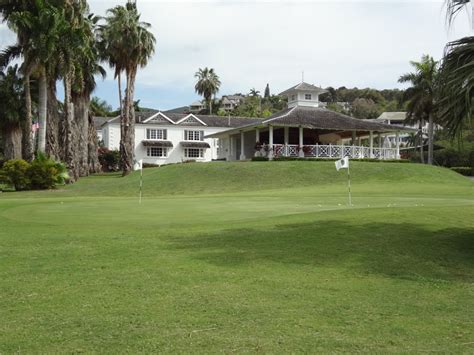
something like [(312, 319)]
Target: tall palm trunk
[(52, 125), (127, 144), (81, 116), (42, 107), (93, 146), (69, 156), (120, 95), (12, 136), (430, 139), (27, 133), (422, 153)]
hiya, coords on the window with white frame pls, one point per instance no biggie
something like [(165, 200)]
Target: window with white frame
[(293, 97), (156, 152), (155, 134), (194, 153), (193, 135), (307, 96)]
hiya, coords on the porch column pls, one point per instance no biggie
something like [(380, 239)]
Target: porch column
[(353, 141), (257, 140), (286, 134), (301, 153), (397, 144), (270, 142), (371, 144), (242, 146), (231, 148)]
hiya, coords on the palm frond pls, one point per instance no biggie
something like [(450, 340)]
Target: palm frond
[(9, 54)]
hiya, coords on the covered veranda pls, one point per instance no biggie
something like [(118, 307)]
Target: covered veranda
[(311, 133)]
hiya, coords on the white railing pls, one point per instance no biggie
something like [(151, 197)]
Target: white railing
[(329, 151)]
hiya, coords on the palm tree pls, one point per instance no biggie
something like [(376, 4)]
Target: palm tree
[(126, 44), (456, 88), (421, 95), (207, 85), (11, 112), (253, 92), (456, 84), (99, 107), (86, 67), (453, 7), (35, 23)]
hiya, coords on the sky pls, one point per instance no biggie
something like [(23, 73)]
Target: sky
[(251, 43)]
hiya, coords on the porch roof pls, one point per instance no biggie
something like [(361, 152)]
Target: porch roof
[(316, 118), (195, 144), (152, 143)]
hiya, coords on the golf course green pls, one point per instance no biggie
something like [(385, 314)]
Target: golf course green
[(241, 257)]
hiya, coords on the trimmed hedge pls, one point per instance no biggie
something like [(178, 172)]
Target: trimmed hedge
[(323, 159), (463, 170)]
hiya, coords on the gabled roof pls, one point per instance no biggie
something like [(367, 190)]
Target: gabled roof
[(303, 87), (194, 117), (157, 115), (207, 120)]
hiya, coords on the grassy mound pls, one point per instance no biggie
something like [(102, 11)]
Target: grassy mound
[(218, 177)]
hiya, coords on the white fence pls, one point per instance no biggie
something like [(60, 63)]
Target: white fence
[(329, 151)]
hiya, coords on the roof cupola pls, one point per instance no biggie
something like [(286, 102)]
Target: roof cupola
[(303, 94)]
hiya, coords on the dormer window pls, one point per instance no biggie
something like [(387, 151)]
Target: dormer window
[(293, 97), (307, 96)]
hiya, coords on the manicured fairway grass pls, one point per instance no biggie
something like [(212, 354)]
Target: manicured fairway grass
[(241, 257)]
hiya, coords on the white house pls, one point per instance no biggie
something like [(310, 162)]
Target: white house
[(163, 138)]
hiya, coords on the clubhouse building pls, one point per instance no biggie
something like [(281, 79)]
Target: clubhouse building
[(304, 129)]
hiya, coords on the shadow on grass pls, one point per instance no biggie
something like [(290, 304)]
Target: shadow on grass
[(405, 251)]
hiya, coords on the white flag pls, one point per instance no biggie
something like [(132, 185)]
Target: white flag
[(342, 164), (139, 164)]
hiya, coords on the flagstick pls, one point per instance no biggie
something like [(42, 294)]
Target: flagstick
[(349, 185), (141, 183)]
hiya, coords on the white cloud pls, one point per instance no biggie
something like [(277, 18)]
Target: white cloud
[(250, 43)]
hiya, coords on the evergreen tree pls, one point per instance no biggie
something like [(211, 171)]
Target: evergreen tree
[(267, 91)]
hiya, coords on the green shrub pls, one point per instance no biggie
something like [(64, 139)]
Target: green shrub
[(42, 173), (259, 159), (463, 170), (450, 157), (109, 159), (334, 159), (14, 173), (45, 173), (150, 165)]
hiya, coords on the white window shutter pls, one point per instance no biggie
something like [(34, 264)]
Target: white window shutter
[(201, 137)]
